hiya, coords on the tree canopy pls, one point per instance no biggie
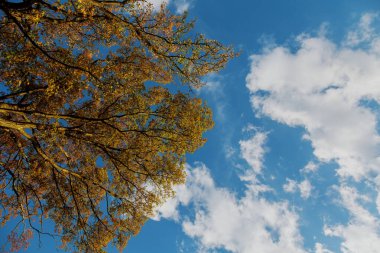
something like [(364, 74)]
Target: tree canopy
[(90, 136)]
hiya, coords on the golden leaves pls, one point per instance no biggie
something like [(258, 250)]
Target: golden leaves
[(84, 79)]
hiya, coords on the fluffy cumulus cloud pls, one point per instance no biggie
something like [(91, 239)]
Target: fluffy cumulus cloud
[(332, 90), (236, 224), (322, 87)]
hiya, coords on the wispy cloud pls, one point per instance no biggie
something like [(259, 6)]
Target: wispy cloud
[(303, 187), (310, 167), (182, 5), (361, 234), (252, 151), (363, 32), (214, 88)]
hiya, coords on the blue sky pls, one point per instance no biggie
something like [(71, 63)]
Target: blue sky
[(293, 162)]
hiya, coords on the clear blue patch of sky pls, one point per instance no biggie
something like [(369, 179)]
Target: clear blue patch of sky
[(153, 238)]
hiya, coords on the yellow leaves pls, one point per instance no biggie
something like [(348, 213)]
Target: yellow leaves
[(157, 94), (87, 81), (85, 8), (35, 19), (101, 174)]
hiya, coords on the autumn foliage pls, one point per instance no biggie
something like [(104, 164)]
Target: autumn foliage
[(90, 136)]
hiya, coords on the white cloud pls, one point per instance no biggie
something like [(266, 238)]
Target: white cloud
[(310, 167), (237, 224), (252, 150), (229, 151), (321, 87), (290, 186), (361, 234), (319, 248), (249, 128), (169, 209), (182, 5), (364, 32), (304, 187)]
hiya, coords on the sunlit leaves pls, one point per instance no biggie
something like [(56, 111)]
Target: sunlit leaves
[(90, 136)]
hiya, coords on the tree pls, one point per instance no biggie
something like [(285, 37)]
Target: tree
[(91, 138)]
